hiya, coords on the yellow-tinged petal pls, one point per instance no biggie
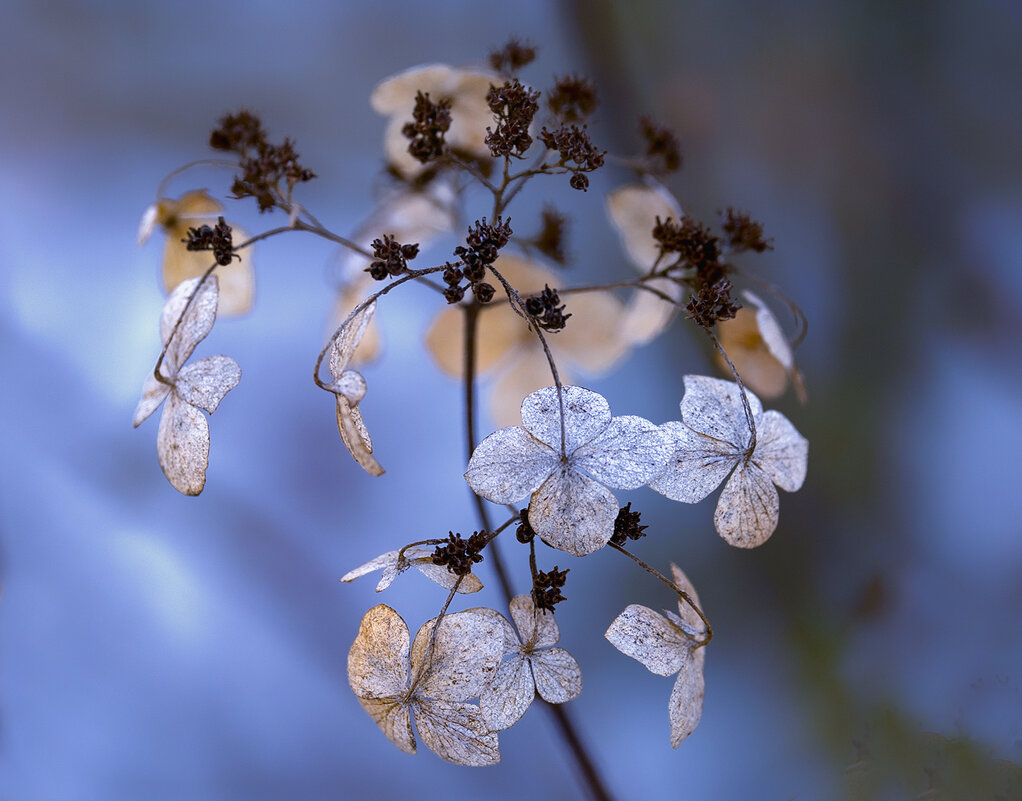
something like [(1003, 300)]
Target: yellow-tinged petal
[(633, 210), (237, 279), (744, 344), (592, 338)]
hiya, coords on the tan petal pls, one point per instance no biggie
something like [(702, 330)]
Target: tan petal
[(747, 510), (439, 574), (355, 436), (592, 338), (511, 693), (378, 659), (743, 341), (586, 414), (153, 393), (781, 451), (537, 627), (460, 661), (509, 465), (183, 445), (573, 513), (394, 719), (396, 94), (628, 453), (237, 279), (498, 331), (633, 210), (557, 674), (205, 383), (646, 315), (529, 372), (650, 638), (456, 732), (196, 320), (696, 466), (685, 707), (195, 203), (714, 408)]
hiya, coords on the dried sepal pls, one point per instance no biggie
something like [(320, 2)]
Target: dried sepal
[(571, 506), (422, 560), (355, 436), (759, 349), (712, 441)]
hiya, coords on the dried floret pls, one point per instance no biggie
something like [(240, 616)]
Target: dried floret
[(349, 387), (668, 645), (712, 441), (571, 506), (422, 560), (193, 210), (449, 664), (532, 665), (189, 389)]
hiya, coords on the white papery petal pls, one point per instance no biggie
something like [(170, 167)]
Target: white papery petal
[(205, 383), (557, 674), (646, 315), (509, 465), (439, 574), (378, 659), (626, 454), (197, 322), (781, 451), (770, 329), (650, 638), (183, 445), (347, 338), (394, 719), (685, 707), (713, 407), (456, 732), (153, 393), (381, 562), (633, 210), (355, 436), (463, 657), (537, 627), (419, 558), (397, 93), (586, 414), (687, 613), (147, 223), (747, 510), (511, 693), (696, 467), (573, 513)]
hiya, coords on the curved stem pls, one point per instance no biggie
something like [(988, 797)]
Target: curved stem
[(162, 188)]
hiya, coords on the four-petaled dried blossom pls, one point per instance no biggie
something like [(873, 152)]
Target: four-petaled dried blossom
[(633, 210), (571, 506), (349, 387), (532, 665), (466, 89), (193, 210), (760, 351), (183, 439), (668, 645), (712, 440), (449, 664), (422, 560), (506, 346)]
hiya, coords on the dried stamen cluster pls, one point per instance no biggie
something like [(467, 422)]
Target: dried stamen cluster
[(430, 121), (626, 526), (546, 588), (578, 153), (513, 107), (391, 257), (459, 554), (572, 99), (218, 239), (547, 310), (663, 154), (482, 246)]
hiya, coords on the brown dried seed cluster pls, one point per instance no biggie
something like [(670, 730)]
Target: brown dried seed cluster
[(460, 554), (626, 526), (663, 153), (391, 257), (481, 248), (512, 57), (552, 235), (547, 310), (743, 232), (578, 153), (524, 532), (514, 106), (546, 588), (712, 303), (572, 99), (430, 121), (218, 239)]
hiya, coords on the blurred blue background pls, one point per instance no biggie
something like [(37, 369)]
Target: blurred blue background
[(162, 647)]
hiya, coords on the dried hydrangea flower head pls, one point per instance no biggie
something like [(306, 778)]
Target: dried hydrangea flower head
[(712, 441), (566, 463), (193, 210), (448, 664), (669, 645), (349, 387), (507, 348), (394, 563), (189, 389), (634, 210), (759, 350), (470, 114), (532, 665)]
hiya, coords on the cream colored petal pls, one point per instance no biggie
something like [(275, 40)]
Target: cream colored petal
[(237, 279), (511, 693), (527, 276), (355, 436), (509, 465), (183, 445), (650, 638), (743, 342), (747, 510), (378, 659), (573, 513), (781, 451), (627, 454), (347, 338), (647, 315), (381, 562), (205, 383), (713, 407), (196, 320), (557, 674), (538, 628), (153, 393), (195, 203), (685, 707), (498, 331), (687, 613), (633, 210), (771, 332), (460, 661), (147, 223), (696, 465), (394, 719), (586, 414), (592, 338), (439, 574), (529, 372), (456, 732), (395, 148), (396, 94)]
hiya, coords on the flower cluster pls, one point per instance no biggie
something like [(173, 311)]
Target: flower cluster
[(547, 310), (459, 554), (578, 153), (513, 107), (430, 121), (391, 257), (218, 239), (481, 248)]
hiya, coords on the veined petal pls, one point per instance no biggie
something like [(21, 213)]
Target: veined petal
[(537, 627), (378, 659), (459, 660), (633, 210), (572, 512), (696, 467), (781, 451), (509, 465), (743, 341), (685, 707), (511, 693), (205, 383), (529, 372), (627, 454), (183, 445), (558, 676), (456, 732), (646, 315), (348, 337), (586, 414), (355, 436), (153, 393), (650, 638), (439, 574), (196, 323), (747, 510), (713, 407), (351, 385), (771, 332), (687, 613), (394, 719)]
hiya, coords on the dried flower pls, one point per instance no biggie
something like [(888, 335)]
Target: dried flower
[(626, 525), (183, 439), (712, 441), (662, 151), (512, 57), (578, 153), (513, 107), (422, 560), (349, 387), (572, 99), (743, 232), (532, 664), (571, 507), (668, 645)]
